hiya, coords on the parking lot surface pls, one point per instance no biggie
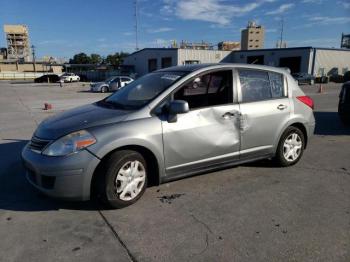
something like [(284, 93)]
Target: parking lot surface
[(253, 212)]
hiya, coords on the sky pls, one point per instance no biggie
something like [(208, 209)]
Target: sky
[(64, 28)]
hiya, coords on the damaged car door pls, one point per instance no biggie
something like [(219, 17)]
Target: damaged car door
[(208, 134), (265, 109)]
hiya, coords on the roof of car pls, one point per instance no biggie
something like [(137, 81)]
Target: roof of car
[(195, 67)]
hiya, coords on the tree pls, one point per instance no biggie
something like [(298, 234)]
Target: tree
[(95, 59), (116, 59), (80, 58)]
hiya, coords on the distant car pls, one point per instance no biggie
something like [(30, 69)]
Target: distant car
[(70, 77), (344, 103), (304, 78), (113, 83), (50, 78)]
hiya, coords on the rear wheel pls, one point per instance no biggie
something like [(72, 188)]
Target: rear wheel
[(124, 179), (104, 89), (290, 147)]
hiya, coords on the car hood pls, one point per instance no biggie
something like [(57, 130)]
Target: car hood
[(97, 83), (78, 118)]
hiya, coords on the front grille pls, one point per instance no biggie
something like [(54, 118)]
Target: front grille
[(38, 144)]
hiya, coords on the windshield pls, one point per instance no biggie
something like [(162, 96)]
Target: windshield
[(109, 79), (143, 90)]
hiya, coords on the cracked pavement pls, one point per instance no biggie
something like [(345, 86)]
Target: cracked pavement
[(253, 212)]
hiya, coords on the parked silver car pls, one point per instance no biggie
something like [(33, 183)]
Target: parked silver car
[(113, 83), (170, 124)]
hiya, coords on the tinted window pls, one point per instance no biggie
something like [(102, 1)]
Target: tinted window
[(277, 85), (207, 90), (255, 85)]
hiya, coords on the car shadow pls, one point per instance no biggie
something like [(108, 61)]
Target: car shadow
[(16, 194), (329, 124)]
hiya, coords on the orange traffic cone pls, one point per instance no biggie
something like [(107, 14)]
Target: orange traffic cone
[(47, 106)]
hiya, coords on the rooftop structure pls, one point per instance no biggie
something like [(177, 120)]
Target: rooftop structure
[(252, 37)]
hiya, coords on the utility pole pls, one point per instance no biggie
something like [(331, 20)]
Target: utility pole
[(33, 54), (136, 24)]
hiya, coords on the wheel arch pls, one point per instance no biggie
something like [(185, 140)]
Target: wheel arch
[(297, 124), (153, 164)]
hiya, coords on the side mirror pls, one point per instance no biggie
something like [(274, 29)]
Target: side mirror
[(177, 107)]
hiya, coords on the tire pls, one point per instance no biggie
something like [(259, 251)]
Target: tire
[(104, 89), (118, 169), (296, 137)]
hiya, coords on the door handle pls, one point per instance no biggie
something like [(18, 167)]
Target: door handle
[(281, 107), (228, 115)]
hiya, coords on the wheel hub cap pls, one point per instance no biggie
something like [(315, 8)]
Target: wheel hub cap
[(130, 180), (292, 147)]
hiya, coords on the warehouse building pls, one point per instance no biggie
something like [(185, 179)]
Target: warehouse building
[(150, 59), (312, 60)]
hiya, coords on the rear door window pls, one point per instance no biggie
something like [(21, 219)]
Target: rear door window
[(259, 85), (255, 85)]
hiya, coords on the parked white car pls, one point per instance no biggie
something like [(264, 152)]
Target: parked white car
[(111, 84), (70, 77)]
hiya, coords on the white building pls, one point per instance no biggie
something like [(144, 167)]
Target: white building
[(312, 60), (151, 59)]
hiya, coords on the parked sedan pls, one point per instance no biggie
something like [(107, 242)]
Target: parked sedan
[(169, 124), (304, 78), (344, 104), (113, 83), (49, 78), (70, 77)]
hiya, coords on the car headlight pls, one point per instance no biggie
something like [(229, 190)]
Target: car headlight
[(70, 143)]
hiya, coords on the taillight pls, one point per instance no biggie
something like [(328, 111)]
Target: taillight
[(307, 101)]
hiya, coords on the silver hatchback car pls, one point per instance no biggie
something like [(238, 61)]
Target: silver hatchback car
[(170, 124)]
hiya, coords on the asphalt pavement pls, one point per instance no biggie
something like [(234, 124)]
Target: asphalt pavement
[(253, 212)]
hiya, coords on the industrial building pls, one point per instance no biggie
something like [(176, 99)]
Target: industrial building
[(151, 59), (17, 38), (252, 37), (312, 60)]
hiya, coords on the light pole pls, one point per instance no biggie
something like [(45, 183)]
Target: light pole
[(33, 53)]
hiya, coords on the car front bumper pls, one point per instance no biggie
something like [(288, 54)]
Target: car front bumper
[(67, 177)]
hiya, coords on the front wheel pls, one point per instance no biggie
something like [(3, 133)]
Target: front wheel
[(124, 179), (104, 89), (290, 147)]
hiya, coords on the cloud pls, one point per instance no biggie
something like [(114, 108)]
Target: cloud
[(344, 4), (160, 30), (312, 1), (52, 42), (214, 11), (326, 20), (280, 10)]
